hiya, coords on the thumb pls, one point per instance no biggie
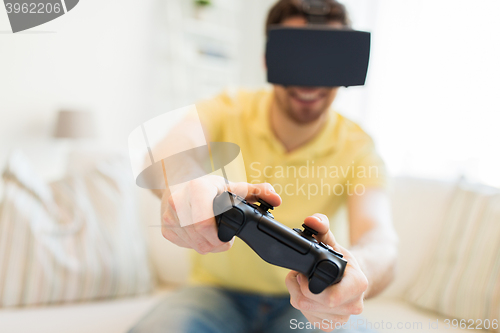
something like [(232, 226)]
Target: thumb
[(254, 192), (321, 224)]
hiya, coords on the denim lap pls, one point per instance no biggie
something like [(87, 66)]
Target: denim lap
[(190, 310), (215, 310)]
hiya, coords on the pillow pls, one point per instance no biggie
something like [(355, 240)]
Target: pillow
[(76, 239), (462, 277)]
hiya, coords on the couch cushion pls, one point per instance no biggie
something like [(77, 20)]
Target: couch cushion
[(111, 316), (391, 315), (461, 278), (72, 240), (418, 209)]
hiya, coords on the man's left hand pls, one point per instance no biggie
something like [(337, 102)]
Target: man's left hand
[(332, 307)]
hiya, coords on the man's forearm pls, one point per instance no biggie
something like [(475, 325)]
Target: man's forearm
[(376, 253), (185, 166)]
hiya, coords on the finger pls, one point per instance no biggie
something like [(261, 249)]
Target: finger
[(173, 237), (194, 207), (293, 288), (254, 192), (208, 229), (329, 302), (310, 301), (313, 310), (318, 303), (170, 222), (224, 247), (297, 298), (321, 224), (328, 298), (351, 288), (169, 216), (198, 241), (179, 235), (201, 196)]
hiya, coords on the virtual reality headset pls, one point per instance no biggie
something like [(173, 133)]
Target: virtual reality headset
[(317, 56)]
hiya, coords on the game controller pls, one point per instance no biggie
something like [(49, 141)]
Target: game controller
[(276, 243)]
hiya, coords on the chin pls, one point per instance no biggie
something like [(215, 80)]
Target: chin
[(301, 117)]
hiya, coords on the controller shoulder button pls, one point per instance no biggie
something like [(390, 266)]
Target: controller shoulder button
[(338, 254), (265, 206), (325, 273), (325, 246), (329, 248), (309, 231)]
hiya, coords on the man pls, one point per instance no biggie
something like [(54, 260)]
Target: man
[(316, 161)]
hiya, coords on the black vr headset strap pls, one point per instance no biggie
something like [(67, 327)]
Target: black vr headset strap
[(317, 11)]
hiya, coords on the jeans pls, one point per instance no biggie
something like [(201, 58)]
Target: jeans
[(215, 310)]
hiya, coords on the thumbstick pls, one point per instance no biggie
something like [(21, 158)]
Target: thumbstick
[(308, 231), (264, 205)]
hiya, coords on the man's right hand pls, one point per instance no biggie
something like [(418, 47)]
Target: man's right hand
[(193, 203)]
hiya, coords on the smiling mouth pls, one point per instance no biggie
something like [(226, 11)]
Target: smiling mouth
[(307, 97)]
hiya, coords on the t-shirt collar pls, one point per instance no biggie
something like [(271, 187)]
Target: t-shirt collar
[(323, 143)]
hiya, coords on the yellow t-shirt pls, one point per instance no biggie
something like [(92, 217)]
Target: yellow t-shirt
[(315, 178)]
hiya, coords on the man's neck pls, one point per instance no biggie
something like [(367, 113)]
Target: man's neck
[(290, 133)]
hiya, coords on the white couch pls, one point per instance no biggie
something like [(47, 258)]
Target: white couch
[(418, 209)]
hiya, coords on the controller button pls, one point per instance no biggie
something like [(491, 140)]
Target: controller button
[(326, 246), (329, 248), (229, 224), (308, 231), (284, 235), (338, 254), (265, 206), (325, 273)]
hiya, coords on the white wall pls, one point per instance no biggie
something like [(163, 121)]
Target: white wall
[(93, 58), (433, 102), (101, 57), (430, 99)]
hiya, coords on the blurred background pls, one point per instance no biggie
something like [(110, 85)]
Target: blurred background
[(83, 82), (430, 101)]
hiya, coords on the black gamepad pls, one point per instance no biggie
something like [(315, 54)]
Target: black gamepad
[(276, 243)]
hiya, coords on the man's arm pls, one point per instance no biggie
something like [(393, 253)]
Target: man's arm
[(373, 238), (186, 209), (370, 266), (188, 132)]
